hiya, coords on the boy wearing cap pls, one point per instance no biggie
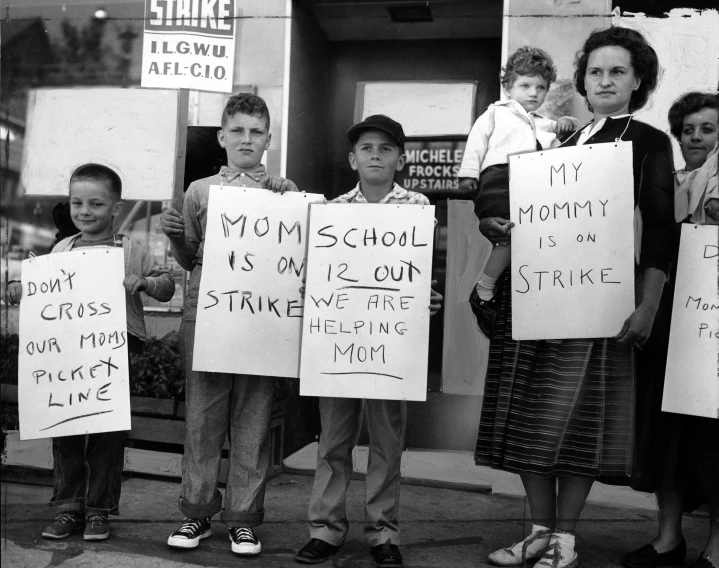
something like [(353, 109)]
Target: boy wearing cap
[(377, 153)]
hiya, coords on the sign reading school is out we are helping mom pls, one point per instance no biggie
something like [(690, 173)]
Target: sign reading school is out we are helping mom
[(366, 322), (73, 366), (573, 241), (189, 44), (249, 313)]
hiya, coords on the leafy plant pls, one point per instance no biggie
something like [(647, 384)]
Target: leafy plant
[(157, 371), (9, 346)]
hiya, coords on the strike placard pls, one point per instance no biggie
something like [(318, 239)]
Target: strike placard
[(249, 313), (73, 364), (189, 44), (691, 384), (573, 241), (366, 326)]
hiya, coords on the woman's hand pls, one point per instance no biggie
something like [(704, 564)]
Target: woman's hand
[(496, 229), (637, 328), (435, 300)]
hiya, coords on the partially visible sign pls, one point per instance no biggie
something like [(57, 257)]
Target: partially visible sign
[(573, 241), (189, 44), (249, 313), (691, 385), (73, 365), (366, 326), (431, 165)]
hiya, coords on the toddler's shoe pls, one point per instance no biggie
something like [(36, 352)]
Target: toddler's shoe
[(244, 541), (65, 524), (386, 555), (485, 311), (531, 548), (190, 533), (97, 527)]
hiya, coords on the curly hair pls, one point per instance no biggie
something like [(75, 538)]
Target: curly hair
[(688, 103), (643, 58), (246, 103), (99, 173), (529, 61)]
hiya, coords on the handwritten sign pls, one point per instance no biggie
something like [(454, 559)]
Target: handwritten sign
[(691, 384), (249, 314), (73, 365), (189, 45), (572, 244), (366, 324)]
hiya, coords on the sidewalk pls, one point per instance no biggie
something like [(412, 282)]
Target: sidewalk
[(441, 528)]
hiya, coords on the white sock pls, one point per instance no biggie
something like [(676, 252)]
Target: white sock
[(485, 287), (539, 528), (566, 542), (541, 543)]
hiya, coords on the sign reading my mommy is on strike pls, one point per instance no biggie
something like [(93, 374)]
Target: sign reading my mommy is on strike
[(573, 241), (189, 44)]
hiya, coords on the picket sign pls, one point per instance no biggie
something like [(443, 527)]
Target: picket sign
[(691, 384), (249, 313), (73, 363), (366, 325), (573, 241)]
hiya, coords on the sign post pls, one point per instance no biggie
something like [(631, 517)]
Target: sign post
[(573, 241)]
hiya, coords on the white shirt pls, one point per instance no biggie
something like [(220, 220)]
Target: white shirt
[(593, 127)]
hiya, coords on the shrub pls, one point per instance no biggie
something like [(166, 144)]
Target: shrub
[(157, 371)]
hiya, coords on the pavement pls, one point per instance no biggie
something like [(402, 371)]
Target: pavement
[(440, 528)]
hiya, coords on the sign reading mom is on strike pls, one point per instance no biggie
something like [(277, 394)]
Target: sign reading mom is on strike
[(189, 44)]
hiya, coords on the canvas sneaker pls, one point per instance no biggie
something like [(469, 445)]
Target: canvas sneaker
[(65, 524), (97, 527), (190, 533), (244, 541)]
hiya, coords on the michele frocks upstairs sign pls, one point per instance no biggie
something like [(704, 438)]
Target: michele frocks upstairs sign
[(573, 241), (189, 44)]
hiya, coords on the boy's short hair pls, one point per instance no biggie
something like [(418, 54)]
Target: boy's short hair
[(529, 61), (98, 172), (379, 122), (245, 103)]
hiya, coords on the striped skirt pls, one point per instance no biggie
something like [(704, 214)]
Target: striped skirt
[(556, 407)]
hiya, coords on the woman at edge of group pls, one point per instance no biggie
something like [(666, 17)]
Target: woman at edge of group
[(560, 412), (682, 463)]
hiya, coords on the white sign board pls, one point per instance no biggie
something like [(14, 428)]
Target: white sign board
[(73, 364), (691, 384), (189, 45), (249, 314), (366, 325), (573, 241), (132, 131)]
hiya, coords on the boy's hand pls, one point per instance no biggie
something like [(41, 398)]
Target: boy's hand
[(467, 185), (134, 283), (435, 300), (565, 125), (172, 224), (712, 208), (279, 184), (13, 293)]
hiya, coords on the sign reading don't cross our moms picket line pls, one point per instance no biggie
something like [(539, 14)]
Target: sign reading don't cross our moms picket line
[(249, 311), (573, 241), (366, 325), (73, 365), (189, 44)]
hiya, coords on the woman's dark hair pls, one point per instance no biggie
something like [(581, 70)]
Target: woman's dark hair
[(643, 57), (688, 104)]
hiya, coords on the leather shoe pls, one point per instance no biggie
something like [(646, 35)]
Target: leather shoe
[(315, 551), (387, 555), (703, 562), (648, 557)]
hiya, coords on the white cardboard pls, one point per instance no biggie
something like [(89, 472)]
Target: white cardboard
[(691, 384), (573, 241), (249, 313), (73, 364), (365, 331)]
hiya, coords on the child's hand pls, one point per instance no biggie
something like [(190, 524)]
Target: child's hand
[(279, 184), (134, 283), (435, 300), (496, 229), (712, 208), (565, 125), (13, 293), (172, 224), (467, 185)]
